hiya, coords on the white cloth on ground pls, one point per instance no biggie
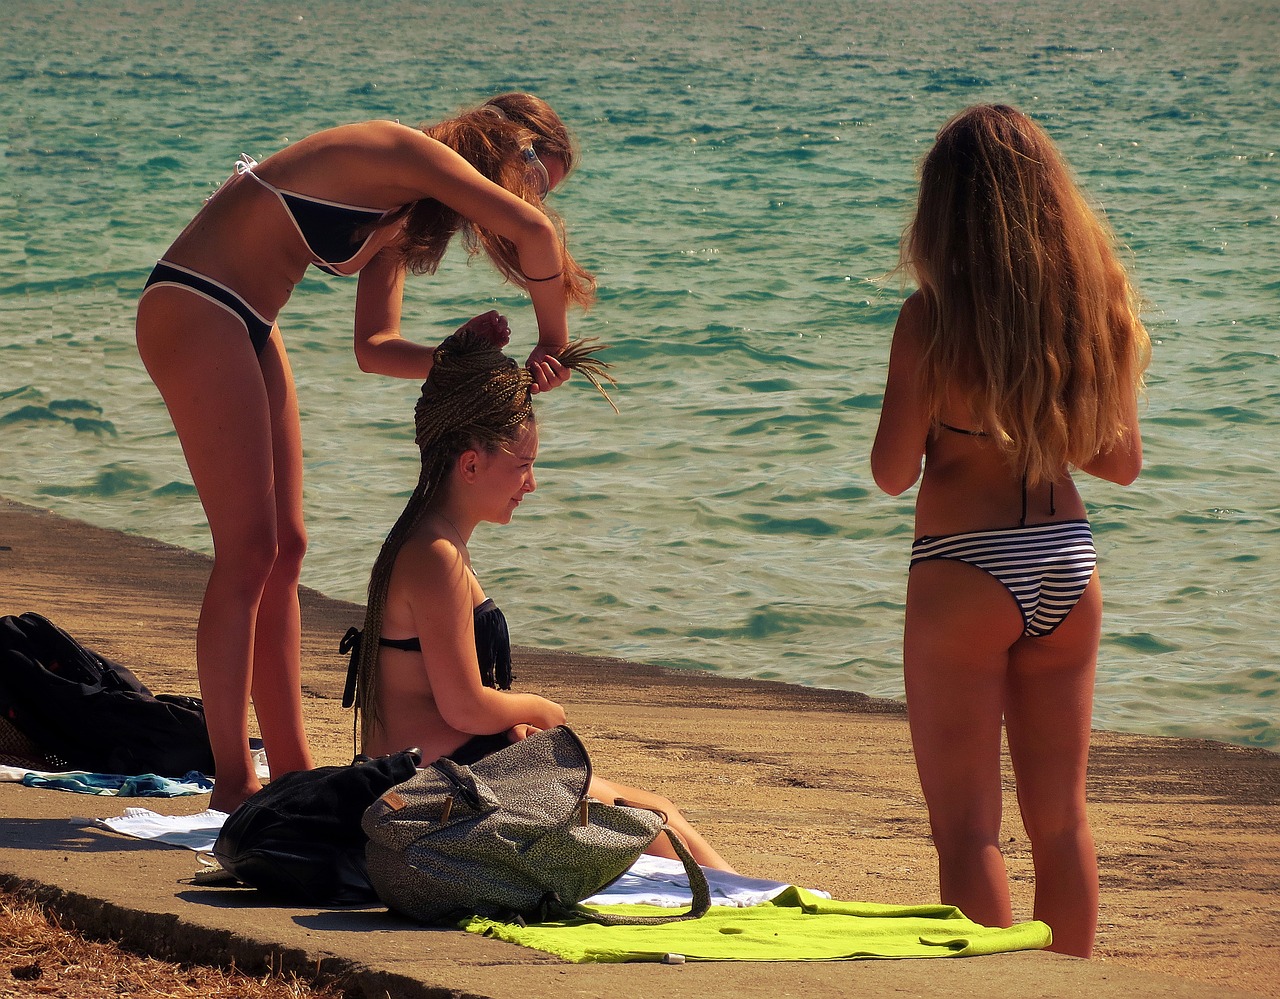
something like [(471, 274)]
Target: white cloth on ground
[(650, 881), (196, 832), (660, 881)]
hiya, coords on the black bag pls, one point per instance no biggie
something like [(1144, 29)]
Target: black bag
[(299, 838), (514, 835), (83, 711)]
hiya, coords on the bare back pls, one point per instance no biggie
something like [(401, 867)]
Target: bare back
[(243, 238), (968, 483), (968, 486)]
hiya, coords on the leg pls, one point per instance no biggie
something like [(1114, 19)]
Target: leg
[(204, 366), (703, 853), (960, 623), (277, 647), (1050, 706)]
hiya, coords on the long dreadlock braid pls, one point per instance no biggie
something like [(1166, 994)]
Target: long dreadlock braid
[(475, 397)]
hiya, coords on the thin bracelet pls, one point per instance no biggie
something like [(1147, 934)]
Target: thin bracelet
[(551, 277)]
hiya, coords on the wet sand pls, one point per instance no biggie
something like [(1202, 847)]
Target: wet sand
[(808, 786)]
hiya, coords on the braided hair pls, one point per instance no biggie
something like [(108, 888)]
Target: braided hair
[(474, 397)]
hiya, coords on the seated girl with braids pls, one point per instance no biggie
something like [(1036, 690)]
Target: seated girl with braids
[(437, 676)]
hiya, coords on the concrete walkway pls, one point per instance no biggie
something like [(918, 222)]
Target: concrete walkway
[(138, 892)]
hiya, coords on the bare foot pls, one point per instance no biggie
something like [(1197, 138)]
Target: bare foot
[(227, 797)]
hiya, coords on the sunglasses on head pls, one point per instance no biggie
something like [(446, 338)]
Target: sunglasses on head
[(536, 168)]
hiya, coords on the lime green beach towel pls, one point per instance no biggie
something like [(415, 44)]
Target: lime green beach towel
[(795, 926)]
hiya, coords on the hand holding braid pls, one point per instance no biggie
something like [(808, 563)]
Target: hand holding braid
[(475, 397)]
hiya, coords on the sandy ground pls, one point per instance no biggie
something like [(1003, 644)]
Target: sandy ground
[(813, 787)]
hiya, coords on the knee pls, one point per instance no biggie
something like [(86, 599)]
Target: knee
[(263, 551), (1049, 826), (960, 843), (244, 559), (673, 816), (290, 548), (650, 801), (667, 807), (259, 554)]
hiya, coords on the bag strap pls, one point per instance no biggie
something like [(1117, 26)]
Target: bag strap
[(697, 885), (350, 643)]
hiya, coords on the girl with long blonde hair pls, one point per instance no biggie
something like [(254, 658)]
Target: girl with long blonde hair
[(1020, 356), (373, 198)]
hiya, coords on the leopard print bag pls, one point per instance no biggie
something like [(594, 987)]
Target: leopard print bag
[(513, 836)]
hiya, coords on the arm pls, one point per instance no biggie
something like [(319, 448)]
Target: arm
[(420, 167), (1122, 463), (441, 605), (898, 453), (380, 348)]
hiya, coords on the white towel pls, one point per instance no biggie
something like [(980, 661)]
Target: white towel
[(650, 880), (660, 881), (196, 832)]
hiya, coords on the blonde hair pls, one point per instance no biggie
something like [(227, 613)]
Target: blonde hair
[(1031, 314), (491, 137), (475, 397)]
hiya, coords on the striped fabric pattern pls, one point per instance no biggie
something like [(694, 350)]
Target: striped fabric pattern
[(1046, 567)]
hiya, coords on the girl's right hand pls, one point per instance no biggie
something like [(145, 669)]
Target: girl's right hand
[(547, 371)]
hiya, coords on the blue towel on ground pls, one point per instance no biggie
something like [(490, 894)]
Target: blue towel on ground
[(139, 786)]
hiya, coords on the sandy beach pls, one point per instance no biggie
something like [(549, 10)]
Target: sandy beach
[(808, 786)]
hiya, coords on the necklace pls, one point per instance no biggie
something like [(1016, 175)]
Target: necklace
[(466, 553)]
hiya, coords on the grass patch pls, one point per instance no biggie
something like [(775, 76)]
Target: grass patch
[(41, 957)]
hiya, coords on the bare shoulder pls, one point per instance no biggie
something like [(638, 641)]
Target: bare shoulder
[(427, 568), (360, 162), (910, 337), (403, 163), (913, 319), (367, 137)]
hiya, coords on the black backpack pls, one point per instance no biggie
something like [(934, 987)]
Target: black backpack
[(83, 711), (299, 839)]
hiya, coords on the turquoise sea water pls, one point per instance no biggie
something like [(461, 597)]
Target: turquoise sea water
[(747, 167)]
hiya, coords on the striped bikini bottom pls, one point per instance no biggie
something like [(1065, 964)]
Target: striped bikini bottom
[(1045, 567)]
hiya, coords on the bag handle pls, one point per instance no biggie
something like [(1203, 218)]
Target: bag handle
[(697, 885), (350, 643)]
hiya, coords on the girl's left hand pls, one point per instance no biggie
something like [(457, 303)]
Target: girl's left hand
[(518, 733), (491, 325)]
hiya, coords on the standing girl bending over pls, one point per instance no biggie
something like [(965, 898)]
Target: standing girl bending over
[(433, 667), (1020, 357), (375, 198)]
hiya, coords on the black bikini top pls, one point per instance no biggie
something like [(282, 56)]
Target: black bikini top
[(331, 231), (961, 430), (493, 649), (1022, 522), (334, 233)]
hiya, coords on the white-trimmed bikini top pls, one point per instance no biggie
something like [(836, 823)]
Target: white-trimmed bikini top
[(330, 229)]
